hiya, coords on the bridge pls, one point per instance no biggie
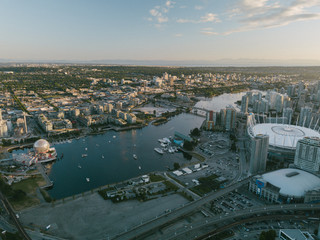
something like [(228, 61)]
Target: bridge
[(202, 109)]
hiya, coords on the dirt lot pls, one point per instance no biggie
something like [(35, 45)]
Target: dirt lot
[(91, 217)]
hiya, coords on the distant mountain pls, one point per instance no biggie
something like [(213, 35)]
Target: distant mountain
[(197, 63)]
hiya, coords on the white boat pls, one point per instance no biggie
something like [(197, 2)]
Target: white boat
[(135, 156), (79, 166), (163, 145), (84, 155), (88, 179), (159, 150), (171, 150), (114, 136), (86, 149), (139, 167), (69, 141), (102, 156)]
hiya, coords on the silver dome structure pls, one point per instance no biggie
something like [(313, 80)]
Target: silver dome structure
[(41, 146)]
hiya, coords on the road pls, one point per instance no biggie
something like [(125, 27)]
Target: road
[(145, 229), (14, 217), (183, 188), (254, 219), (191, 230), (242, 164)]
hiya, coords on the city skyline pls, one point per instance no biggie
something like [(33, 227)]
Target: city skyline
[(237, 32)]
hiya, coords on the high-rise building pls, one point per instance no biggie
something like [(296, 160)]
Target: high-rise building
[(250, 99), (230, 119), (300, 88), (264, 106), (257, 106), (165, 76), (287, 113), (279, 102), (291, 90), (211, 120), (259, 153), (305, 116), (244, 104), (223, 117), (307, 156), (3, 126)]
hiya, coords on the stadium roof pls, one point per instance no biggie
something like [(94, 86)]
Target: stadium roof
[(283, 135), (292, 182)]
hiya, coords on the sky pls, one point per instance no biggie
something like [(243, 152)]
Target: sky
[(167, 30)]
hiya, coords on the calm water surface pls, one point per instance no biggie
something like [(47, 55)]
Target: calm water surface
[(110, 156)]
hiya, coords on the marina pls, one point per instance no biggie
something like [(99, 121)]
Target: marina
[(118, 163), (117, 149)]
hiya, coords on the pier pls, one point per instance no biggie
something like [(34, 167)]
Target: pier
[(42, 171)]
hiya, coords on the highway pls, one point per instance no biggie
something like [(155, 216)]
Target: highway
[(145, 229), (253, 219), (13, 216), (190, 231)]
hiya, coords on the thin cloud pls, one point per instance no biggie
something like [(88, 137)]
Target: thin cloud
[(209, 17), (159, 13), (198, 7), (209, 33), (178, 35), (260, 14)]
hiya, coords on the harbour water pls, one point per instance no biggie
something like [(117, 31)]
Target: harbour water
[(108, 158), (219, 102)]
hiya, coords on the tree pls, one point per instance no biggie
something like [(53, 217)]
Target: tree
[(176, 166), (195, 132), (233, 147), (188, 145), (269, 235)]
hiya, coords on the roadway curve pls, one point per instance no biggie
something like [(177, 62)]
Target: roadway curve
[(253, 219), (149, 227), (206, 225)]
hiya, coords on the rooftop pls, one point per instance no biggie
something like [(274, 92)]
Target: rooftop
[(292, 182), (283, 135)]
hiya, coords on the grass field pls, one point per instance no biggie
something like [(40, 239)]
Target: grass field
[(29, 186)]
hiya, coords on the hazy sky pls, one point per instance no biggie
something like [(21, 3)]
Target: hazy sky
[(159, 29)]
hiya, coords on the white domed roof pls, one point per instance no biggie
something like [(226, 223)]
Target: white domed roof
[(292, 182), (41, 146), (282, 135)]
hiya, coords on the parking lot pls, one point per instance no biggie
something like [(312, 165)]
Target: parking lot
[(231, 202), (220, 160)]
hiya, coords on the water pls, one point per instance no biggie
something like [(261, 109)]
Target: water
[(118, 163), (223, 100), (220, 102), (117, 149)]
